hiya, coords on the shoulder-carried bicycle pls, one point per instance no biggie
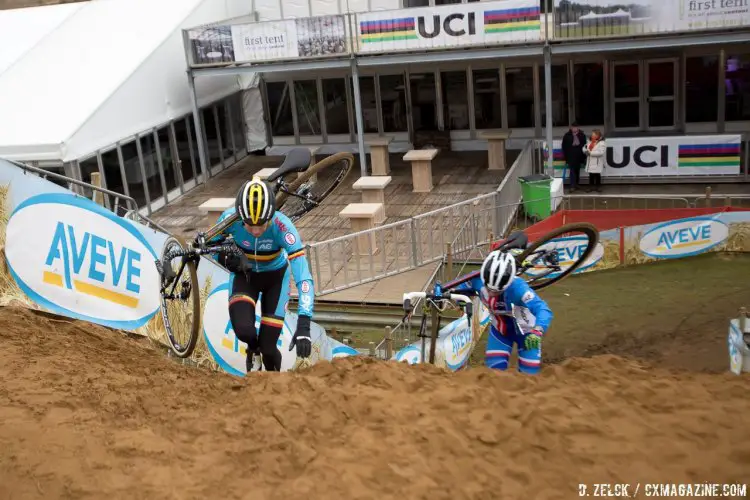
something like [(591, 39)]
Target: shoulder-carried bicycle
[(181, 309), (539, 264)]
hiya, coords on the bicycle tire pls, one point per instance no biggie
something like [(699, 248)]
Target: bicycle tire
[(584, 227), (195, 304), (325, 163)]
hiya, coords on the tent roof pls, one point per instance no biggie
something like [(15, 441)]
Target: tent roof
[(68, 61)]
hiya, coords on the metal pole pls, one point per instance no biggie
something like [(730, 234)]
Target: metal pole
[(198, 129), (548, 12), (360, 120), (548, 108)]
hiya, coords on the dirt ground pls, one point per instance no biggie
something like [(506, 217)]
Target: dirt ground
[(86, 412), (665, 312)]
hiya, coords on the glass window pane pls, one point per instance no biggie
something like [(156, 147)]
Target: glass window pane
[(279, 109), (701, 89), (519, 86), (589, 93), (337, 114), (661, 79), (559, 95), (226, 140), (112, 175), (151, 165), (88, 167), (167, 160), (661, 114), (487, 107), (183, 149), (393, 100), (423, 101), (209, 128), (737, 87), (233, 106), (133, 173), (369, 105), (416, 3), (455, 100), (627, 80), (627, 115), (306, 97)]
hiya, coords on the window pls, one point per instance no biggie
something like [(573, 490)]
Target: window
[(589, 93), (423, 101), (455, 100), (112, 175), (393, 101), (184, 145), (167, 161), (369, 104), (308, 116), (336, 112), (209, 129), (236, 117), (559, 95), (487, 107), (519, 85), (737, 87), (133, 173), (88, 167), (151, 165), (279, 109), (416, 3)]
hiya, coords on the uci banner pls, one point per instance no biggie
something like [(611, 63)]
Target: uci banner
[(692, 155), (269, 41), (455, 25)]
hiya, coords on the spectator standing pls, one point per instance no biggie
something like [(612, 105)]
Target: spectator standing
[(595, 150), (572, 149)]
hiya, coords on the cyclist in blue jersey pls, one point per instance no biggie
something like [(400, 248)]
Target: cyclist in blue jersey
[(271, 247), (517, 314)]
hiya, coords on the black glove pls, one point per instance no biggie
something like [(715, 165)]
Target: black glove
[(235, 262), (302, 338)]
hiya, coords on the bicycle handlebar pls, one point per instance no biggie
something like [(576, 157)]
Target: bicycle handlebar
[(463, 300)]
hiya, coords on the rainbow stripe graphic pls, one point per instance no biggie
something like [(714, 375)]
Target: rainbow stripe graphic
[(507, 20), (708, 155), (558, 161), (388, 30)]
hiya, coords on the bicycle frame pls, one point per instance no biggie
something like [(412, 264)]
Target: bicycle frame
[(431, 301)]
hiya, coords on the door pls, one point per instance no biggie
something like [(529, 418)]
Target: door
[(627, 96), (661, 93), (644, 95)]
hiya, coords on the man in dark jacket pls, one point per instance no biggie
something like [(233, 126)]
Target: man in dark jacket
[(572, 149)]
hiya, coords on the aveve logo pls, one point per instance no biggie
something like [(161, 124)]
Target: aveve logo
[(569, 249), (76, 258), (683, 238)]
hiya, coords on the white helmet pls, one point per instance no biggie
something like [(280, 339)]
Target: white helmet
[(498, 270)]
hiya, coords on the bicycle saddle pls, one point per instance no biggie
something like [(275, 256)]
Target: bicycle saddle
[(517, 239), (297, 160)]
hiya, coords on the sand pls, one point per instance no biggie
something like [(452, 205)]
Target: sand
[(86, 412)]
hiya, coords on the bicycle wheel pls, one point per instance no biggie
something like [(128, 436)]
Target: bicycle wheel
[(534, 259), (331, 171), (180, 302)]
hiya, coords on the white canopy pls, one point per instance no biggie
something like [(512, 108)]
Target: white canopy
[(78, 77)]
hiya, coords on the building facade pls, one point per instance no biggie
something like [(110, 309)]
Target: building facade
[(460, 68)]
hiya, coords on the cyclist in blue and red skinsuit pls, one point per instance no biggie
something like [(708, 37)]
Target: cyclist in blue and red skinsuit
[(517, 314), (271, 247)]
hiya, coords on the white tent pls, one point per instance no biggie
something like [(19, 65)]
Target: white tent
[(76, 78)]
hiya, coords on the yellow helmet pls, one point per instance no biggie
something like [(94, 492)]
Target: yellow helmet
[(255, 202)]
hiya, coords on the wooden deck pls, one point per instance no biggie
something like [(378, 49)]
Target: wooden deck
[(457, 176)]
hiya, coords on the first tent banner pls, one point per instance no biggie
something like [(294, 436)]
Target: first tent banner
[(270, 41)]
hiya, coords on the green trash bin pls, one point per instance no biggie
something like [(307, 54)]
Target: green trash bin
[(536, 195)]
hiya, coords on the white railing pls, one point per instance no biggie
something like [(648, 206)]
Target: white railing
[(391, 249)]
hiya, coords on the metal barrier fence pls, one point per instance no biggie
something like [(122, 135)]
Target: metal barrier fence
[(395, 248)]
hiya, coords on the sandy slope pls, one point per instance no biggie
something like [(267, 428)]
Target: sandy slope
[(89, 413)]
